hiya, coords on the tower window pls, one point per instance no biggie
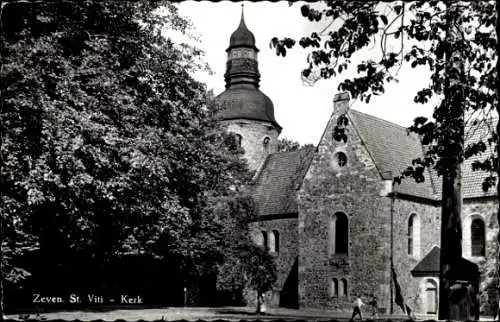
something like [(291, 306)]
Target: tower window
[(239, 138), (266, 141)]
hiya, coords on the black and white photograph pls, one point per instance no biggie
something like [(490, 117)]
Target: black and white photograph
[(249, 160)]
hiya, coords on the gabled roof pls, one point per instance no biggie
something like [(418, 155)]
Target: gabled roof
[(429, 265), (275, 189), (392, 149)]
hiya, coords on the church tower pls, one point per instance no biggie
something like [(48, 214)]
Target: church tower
[(245, 110)]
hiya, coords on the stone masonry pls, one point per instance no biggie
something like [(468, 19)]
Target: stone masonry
[(253, 134), (310, 196), (355, 191)]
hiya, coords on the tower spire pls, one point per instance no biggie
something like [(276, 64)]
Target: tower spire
[(242, 20)]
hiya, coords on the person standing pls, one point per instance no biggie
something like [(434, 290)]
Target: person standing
[(374, 306), (356, 310)]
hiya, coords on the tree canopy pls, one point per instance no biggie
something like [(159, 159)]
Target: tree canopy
[(109, 148), (417, 35)]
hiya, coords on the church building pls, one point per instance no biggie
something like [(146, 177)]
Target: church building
[(331, 216)]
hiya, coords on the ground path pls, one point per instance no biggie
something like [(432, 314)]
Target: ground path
[(195, 313)]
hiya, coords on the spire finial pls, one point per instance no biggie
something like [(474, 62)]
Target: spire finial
[(242, 22)]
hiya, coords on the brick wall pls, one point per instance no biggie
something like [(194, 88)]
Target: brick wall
[(253, 134)]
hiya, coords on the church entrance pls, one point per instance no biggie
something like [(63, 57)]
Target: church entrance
[(431, 297)]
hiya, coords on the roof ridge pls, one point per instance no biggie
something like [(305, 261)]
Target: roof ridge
[(380, 119), (289, 152)]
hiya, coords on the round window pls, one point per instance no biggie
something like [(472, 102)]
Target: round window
[(339, 160)]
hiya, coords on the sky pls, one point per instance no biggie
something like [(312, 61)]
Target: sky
[(302, 110)]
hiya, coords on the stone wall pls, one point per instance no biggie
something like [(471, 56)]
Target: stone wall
[(285, 289), (354, 189), (253, 134), (486, 209), (429, 222)]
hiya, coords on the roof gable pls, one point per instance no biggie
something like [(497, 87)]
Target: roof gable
[(429, 265)]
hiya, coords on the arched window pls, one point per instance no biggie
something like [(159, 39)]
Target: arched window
[(410, 234), (339, 234), (264, 239), (477, 237), (334, 287), (414, 235), (431, 297), (258, 238), (343, 287), (266, 141), (274, 246)]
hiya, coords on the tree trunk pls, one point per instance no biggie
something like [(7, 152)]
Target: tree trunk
[(497, 8), (1, 267), (453, 145)]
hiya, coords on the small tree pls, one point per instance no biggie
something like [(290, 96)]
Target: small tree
[(287, 145), (248, 266)]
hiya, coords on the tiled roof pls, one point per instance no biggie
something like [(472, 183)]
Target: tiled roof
[(472, 180), (392, 149), (429, 265), (275, 189), (245, 101)]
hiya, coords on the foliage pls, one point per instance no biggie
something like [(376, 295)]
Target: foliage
[(488, 288), (287, 145), (456, 40), (109, 147), (423, 25), (252, 266)]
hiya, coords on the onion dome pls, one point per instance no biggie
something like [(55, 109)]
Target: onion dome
[(246, 102), (242, 98), (242, 37)]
